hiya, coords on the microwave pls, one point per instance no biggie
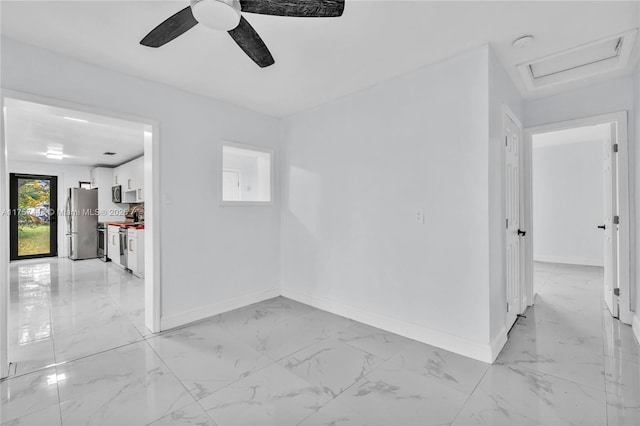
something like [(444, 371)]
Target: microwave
[(116, 194)]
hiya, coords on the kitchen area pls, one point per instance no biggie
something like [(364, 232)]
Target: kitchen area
[(105, 219), (77, 273), (121, 215)]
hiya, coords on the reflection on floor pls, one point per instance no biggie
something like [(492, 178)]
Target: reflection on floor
[(61, 310), (283, 363)]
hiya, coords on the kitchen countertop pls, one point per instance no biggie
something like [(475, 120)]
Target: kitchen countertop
[(135, 225)]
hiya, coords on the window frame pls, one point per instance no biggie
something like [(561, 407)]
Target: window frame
[(260, 149)]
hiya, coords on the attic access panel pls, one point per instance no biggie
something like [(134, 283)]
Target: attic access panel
[(602, 56)]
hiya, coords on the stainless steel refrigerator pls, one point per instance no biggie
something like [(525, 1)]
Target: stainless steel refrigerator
[(82, 223)]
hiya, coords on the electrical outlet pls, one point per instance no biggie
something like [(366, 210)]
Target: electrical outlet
[(420, 216)]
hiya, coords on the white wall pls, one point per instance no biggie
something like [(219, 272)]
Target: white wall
[(603, 98), (68, 177), (4, 256), (568, 203), (356, 172), (502, 92), (212, 257), (636, 119)]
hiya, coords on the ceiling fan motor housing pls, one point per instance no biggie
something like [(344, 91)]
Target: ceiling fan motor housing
[(223, 15)]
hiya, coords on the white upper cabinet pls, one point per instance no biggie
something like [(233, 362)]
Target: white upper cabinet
[(102, 180), (94, 179), (101, 177), (131, 177)]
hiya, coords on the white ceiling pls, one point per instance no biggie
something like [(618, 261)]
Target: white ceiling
[(598, 133), (317, 60), (33, 129)]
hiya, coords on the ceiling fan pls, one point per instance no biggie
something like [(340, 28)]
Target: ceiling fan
[(226, 15)]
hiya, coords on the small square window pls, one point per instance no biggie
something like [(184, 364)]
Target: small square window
[(247, 175)]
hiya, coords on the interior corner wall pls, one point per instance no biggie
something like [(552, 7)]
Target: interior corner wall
[(357, 173), (599, 99), (502, 92), (212, 257), (68, 177)]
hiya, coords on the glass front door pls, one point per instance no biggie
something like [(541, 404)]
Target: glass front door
[(34, 220)]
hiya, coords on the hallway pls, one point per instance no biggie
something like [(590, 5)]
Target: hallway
[(281, 362), (564, 360)]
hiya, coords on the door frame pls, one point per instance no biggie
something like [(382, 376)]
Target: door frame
[(153, 278), (13, 219), (624, 230), (59, 175)]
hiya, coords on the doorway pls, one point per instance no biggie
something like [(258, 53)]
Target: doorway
[(138, 297), (34, 219), (596, 234)]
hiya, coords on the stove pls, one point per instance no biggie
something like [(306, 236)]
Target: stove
[(102, 241)]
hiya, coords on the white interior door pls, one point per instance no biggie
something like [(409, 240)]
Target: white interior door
[(609, 226), (513, 233), (231, 185)]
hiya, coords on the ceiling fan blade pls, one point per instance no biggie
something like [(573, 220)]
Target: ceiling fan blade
[(297, 8), (173, 27), (249, 41)]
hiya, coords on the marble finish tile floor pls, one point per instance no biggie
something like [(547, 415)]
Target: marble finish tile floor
[(280, 362)]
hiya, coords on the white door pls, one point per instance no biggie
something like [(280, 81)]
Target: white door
[(512, 200), (610, 228), (230, 185)]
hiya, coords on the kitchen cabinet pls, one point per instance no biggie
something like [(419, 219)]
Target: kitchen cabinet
[(102, 180), (113, 244), (138, 174), (135, 258), (131, 177), (117, 172), (101, 177)]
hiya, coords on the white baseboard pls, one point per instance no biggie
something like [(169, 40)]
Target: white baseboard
[(498, 343), (471, 349), (468, 348), (636, 327), (569, 260), (183, 318)]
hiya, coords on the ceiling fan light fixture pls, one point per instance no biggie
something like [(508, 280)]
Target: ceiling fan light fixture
[(222, 15)]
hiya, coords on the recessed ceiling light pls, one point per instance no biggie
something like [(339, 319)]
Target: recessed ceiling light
[(79, 120), (54, 154), (523, 41)]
